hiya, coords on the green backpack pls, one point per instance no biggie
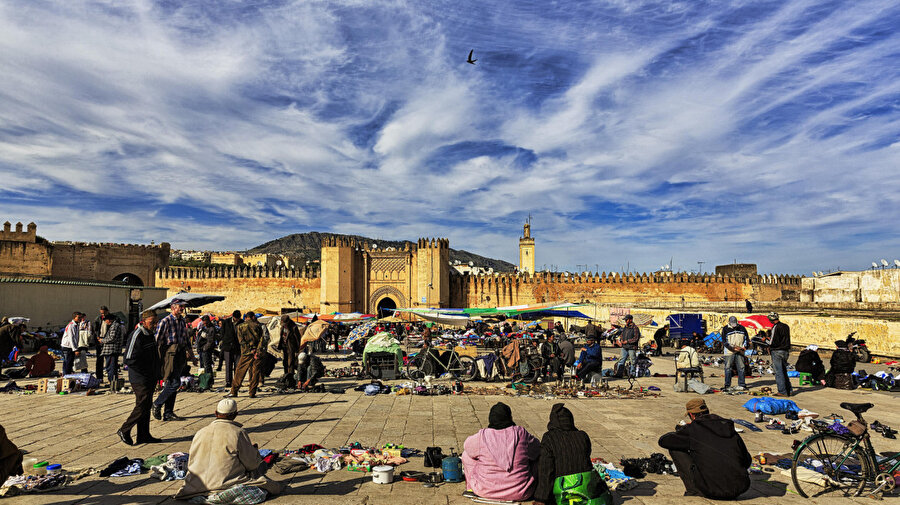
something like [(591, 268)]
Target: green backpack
[(204, 381), (584, 488)]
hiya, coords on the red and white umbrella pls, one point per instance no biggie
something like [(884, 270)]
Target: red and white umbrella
[(758, 322)]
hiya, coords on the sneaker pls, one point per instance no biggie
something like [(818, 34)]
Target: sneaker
[(157, 412), (740, 388)]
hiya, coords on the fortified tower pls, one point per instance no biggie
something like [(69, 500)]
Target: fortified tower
[(432, 273), (339, 273), (526, 250)]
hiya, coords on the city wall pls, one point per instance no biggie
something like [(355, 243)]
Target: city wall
[(246, 288), (869, 286), (108, 262), (21, 253)]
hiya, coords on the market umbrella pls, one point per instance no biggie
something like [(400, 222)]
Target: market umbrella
[(314, 331), (359, 332), (192, 299), (758, 322)]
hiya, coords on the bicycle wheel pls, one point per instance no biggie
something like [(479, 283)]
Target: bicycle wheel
[(830, 465), (468, 369), (427, 368)]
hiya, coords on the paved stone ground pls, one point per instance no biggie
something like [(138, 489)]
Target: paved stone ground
[(79, 432)]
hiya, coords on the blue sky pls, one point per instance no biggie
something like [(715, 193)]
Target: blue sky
[(632, 131)]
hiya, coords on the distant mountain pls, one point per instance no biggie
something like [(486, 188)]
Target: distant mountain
[(308, 246)]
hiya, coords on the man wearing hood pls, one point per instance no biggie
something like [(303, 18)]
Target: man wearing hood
[(565, 463), (810, 362), (734, 341), (843, 364), (710, 456), (500, 461)]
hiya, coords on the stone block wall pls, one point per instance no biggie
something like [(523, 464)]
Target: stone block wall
[(106, 262)]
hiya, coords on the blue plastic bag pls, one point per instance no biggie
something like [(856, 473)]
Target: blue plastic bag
[(771, 406)]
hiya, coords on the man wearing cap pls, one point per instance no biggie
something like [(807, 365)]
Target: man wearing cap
[(222, 457), (249, 335), (734, 341), (710, 456), (229, 346), (780, 349), (142, 358), (631, 336), (174, 351), (310, 370)]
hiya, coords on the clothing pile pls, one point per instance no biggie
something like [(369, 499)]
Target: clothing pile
[(237, 495), (84, 380), (37, 483), (175, 467), (615, 478), (657, 463)]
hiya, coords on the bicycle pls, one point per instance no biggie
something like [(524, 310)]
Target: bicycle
[(827, 462), (435, 363)]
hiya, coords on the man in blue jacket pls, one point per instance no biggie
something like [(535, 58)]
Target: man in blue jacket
[(142, 358), (590, 359)]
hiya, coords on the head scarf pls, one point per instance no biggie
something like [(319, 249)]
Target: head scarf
[(500, 417), (561, 418)]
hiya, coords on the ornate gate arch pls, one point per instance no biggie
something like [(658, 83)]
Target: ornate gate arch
[(386, 291)]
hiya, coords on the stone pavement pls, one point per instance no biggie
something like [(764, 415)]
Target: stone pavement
[(79, 432)]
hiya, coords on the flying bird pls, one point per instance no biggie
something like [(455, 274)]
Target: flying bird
[(470, 60)]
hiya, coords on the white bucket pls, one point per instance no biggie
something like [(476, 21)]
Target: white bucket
[(383, 474)]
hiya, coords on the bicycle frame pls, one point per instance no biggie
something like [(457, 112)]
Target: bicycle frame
[(863, 440)]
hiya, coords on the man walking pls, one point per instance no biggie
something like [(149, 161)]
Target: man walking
[(660, 338), (780, 349), (631, 336), (96, 328), (229, 345), (142, 358), (69, 343), (250, 338), (734, 341), (110, 338), (174, 351)]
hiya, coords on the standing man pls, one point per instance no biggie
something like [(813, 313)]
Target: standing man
[(289, 344), (96, 328), (69, 343), (174, 351), (550, 357), (631, 336), (142, 358), (229, 345), (749, 305), (780, 348), (250, 338), (206, 343), (110, 338), (660, 338), (734, 341)]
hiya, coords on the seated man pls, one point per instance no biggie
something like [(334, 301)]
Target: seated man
[(843, 364), (710, 456), (500, 461), (41, 364), (590, 360), (565, 469), (221, 457), (810, 362), (10, 457), (310, 370)]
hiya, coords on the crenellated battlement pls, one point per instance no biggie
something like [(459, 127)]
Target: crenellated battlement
[(236, 272), (114, 246), (338, 242), (433, 243), (633, 278), (29, 234)]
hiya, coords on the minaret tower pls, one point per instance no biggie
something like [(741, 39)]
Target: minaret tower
[(526, 249)]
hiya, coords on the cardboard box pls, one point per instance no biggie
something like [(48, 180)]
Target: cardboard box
[(69, 385)]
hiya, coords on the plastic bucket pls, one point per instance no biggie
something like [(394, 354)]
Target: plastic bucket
[(383, 474)]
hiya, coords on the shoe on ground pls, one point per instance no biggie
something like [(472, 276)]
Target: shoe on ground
[(230, 395), (740, 388), (172, 417), (125, 437), (468, 493), (150, 440), (157, 412)]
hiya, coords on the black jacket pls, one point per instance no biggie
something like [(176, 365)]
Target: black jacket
[(843, 361), (565, 450), (810, 362), (631, 336), (142, 356), (781, 337), (228, 337), (719, 456)]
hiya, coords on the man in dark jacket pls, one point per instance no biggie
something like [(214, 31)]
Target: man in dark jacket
[(142, 358), (250, 335), (229, 345), (207, 335), (660, 338), (98, 346), (590, 360), (780, 349), (110, 338), (810, 362), (631, 337), (843, 364), (566, 451), (710, 456), (566, 351)]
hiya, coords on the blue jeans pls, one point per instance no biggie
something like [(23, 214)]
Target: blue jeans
[(629, 355), (68, 359), (780, 364), (738, 361), (112, 367), (167, 395)]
